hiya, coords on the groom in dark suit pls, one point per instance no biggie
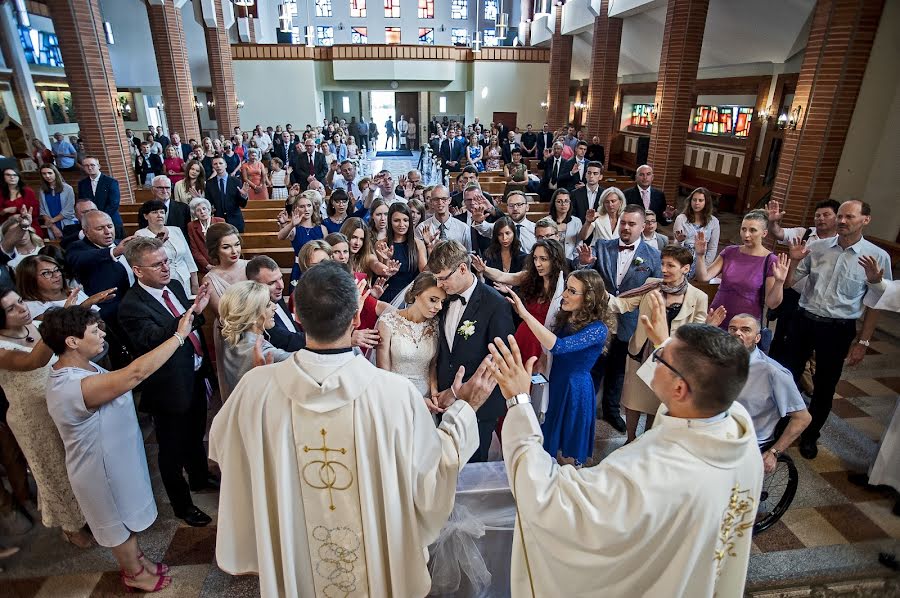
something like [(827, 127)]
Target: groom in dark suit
[(175, 395), (473, 315), (226, 196), (625, 264)]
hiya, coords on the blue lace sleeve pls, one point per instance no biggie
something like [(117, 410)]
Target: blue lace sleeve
[(592, 334)]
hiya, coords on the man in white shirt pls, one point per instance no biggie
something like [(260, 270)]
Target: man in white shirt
[(593, 530), (587, 197), (348, 181), (402, 130), (385, 183), (442, 226), (517, 208)]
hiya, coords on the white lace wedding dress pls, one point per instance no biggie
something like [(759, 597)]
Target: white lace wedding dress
[(413, 346)]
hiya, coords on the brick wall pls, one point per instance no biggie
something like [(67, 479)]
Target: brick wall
[(174, 71), (221, 73), (834, 63), (79, 26), (675, 95), (560, 71), (601, 113)]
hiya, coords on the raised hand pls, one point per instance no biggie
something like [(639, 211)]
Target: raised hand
[(392, 266), (245, 188), (334, 166), (669, 212), (717, 316), (798, 249), (295, 218), (72, 297), (120, 248), (289, 170), (591, 215), (511, 296), (513, 376), (377, 288), (258, 357), (700, 243), (774, 210), (585, 255), (874, 274), (365, 338), (478, 264), (282, 218), (656, 325), (781, 267), (95, 298), (25, 216), (680, 235), (185, 323), (201, 299)]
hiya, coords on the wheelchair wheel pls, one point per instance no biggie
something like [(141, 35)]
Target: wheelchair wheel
[(779, 488)]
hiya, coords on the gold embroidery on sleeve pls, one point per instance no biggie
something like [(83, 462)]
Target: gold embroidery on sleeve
[(332, 475), (737, 520)]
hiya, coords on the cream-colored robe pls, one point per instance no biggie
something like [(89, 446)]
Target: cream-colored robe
[(668, 515), (404, 475)]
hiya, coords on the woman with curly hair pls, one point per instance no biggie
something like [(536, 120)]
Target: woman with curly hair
[(192, 185), (576, 341)]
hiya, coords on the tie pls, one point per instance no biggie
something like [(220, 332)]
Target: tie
[(452, 298), (442, 232), (193, 335), (626, 247), (310, 159), (555, 170), (222, 187), (519, 231)]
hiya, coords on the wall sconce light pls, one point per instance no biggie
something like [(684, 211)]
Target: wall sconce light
[(580, 105), (502, 25), (108, 32), (764, 114), (210, 103), (197, 105), (239, 104), (782, 120), (442, 28), (244, 3), (794, 119), (123, 107), (545, 105), (160, 105), (38, 104)]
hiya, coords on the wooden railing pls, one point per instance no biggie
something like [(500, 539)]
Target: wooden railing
[(385, 52)]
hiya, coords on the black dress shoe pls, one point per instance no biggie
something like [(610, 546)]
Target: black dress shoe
[(211, 483), (194, 517), (808, 450), (888, 560), (616, 421), (859, 479)]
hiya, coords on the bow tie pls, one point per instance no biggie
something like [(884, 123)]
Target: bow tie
[(626, 247), (452, 298)]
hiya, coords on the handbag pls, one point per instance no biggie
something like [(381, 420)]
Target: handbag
[(765, 333)]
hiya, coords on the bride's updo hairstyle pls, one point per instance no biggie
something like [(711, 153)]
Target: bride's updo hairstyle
[(424, 281)]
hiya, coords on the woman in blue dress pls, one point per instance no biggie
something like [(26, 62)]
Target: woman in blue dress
[(474, 152), (579, 339), (403, 246), (304, 226)]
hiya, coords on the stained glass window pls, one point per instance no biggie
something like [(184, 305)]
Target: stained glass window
[(426, 36), (324, 35), (392, 35), (41, 47), (491, 8), (323, 8), (426, 9), (640, 115), (459, 9), (722, 120), (358, 8), (392, 9), (458, 36), (490, 37), (359, 35)]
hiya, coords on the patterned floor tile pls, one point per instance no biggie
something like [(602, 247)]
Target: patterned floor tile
[(880, 511), (825, 461), (845, 409), (192, 546), (845, 389), (871, 427), (873, 388), (856, 494), (852, 523), (891, 382), (22, 588), (71, 586), (777, 538), (811, 528)]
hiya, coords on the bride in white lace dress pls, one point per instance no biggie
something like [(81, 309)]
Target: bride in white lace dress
[(409, 337)]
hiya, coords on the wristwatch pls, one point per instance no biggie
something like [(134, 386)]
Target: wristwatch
[(518, 400), (775, 452), (863, 343)]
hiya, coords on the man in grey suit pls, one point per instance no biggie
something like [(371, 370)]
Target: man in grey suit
[(625, 264)]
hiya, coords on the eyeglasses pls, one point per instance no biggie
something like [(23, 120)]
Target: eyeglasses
[(452, 272), (655, 356), (161, 188), (440, 199), (48, 274), (157, 266), (516, 205), (563, 201), (547, 236)]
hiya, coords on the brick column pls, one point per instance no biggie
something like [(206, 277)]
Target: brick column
[(560, 72), (601, 112), (218, 49), (675, 96), (840, 39), (174, 71), (527, 11), (79, 27)]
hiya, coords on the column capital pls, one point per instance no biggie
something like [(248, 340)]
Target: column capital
[(207, 13), (177, 3)]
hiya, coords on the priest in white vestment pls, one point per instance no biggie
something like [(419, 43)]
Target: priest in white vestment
[(670, 514), (334, 477)]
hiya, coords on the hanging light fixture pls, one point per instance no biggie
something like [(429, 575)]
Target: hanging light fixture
[(476, 36), (285, 19), (310, 30), (244, 3), (501, 24)]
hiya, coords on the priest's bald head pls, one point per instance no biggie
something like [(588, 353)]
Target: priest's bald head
[(327, 305), (700, 372)]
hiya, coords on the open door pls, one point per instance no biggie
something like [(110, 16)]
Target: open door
[(406, 103), (507, 118)]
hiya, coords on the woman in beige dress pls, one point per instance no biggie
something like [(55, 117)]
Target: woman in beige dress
[(31, 424), (685, 304)]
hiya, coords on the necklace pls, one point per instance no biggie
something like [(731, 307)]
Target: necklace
[(27, 338)]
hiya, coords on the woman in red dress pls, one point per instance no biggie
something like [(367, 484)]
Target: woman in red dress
[(14, 195)]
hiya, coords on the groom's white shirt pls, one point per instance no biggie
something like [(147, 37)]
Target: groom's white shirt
[(455, 313)]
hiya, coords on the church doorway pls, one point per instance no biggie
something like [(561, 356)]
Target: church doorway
[(382, 103)]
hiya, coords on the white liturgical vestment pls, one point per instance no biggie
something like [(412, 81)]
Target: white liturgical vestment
[(334, 478), (670, 514)]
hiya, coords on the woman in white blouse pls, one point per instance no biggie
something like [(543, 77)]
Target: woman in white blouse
[(604, 223), (181, 262), (567, 224), (698, 216)]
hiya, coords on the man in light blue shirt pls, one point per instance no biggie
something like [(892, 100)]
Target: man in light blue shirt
[(830, 304), (769, 395), (64, 152)]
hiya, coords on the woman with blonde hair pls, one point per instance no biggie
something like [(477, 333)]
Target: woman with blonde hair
[(245, 312), (29, 244), (604, 223), (192, 185)]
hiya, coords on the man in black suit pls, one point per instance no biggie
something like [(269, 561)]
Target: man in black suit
[(473, 315), (285, 334), (226, 197), (595, 151), (103, 190), (510, 144), (175, 395), (529, 143), (281, 148), (98, 262), (74, 232), (309, 165), (177, 213), (554, 167), (573, 175), (183, 150), (587, 197), (146, 164), (450, 152), (648, 197), (160, 137), (544, 140)]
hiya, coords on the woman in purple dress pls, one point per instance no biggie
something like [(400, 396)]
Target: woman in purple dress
[(751, 276)]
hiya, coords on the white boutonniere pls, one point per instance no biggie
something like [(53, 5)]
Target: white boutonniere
[(467, 329), (637, 261)]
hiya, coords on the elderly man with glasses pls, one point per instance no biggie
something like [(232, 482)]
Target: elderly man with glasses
[(177, 213)]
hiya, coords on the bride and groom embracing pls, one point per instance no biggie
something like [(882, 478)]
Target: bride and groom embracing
[(450, 319)]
